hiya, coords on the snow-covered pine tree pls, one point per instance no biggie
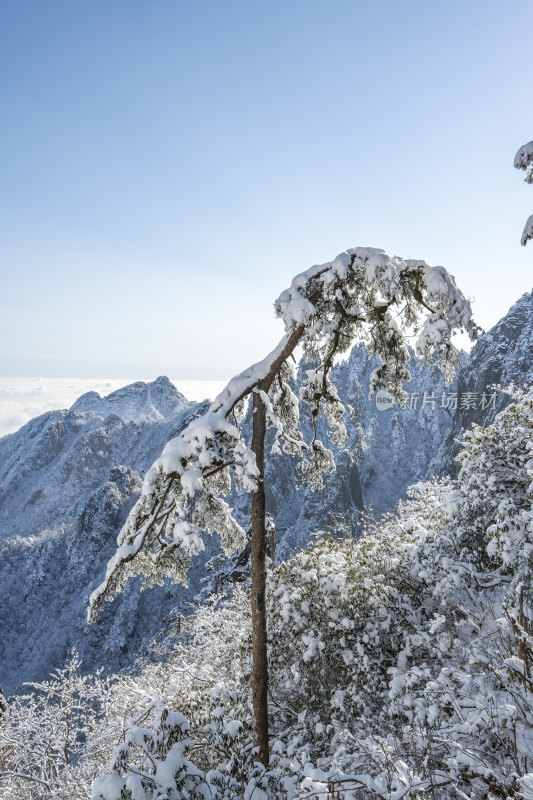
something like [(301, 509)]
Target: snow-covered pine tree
[(362, 295), (524, 160)]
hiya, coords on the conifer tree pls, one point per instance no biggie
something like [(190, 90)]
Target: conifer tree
[(362, 295)]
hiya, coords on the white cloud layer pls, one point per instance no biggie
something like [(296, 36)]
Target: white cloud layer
[(21, 399)]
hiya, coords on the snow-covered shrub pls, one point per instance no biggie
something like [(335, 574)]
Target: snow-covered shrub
[(496, 489), (204, 690), (47, 736), (163, 769), (226, 745), (154, 762), (494, 495), (406, 658), (364, 621)]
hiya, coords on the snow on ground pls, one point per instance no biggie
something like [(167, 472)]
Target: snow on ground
[(21, 399)]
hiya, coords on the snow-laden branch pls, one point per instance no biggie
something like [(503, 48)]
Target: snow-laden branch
[(524, 160), (25, 777), (527, 233), (362, 295)]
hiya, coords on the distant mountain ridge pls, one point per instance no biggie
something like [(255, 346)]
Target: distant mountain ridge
[(69, 477), (49, 465)]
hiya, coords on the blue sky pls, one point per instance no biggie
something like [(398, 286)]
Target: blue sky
[(168, 166)]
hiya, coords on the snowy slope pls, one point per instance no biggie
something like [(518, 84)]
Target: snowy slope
[(68, 479)]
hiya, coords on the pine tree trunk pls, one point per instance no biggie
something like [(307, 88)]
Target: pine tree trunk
[(258, 553)]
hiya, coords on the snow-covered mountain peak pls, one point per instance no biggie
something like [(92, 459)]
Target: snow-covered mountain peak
[(139, 402), (503, 354), (87, 402), (512, 326)]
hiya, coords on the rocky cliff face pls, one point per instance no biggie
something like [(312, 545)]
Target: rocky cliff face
[(502, 356), (385, 452), (69, 478)]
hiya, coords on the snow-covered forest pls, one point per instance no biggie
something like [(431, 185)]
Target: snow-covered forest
[(381, 647), (401, 664)]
